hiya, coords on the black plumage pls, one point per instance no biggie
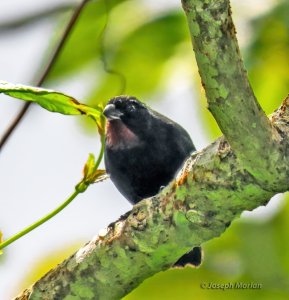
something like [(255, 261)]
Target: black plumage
[(143, 151)]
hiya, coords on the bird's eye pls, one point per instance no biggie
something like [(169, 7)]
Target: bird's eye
[(132, 108)]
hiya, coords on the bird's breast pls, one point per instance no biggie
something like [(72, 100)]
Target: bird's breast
[(119, 136)]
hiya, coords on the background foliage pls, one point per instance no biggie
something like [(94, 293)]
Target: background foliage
[(130, 47)]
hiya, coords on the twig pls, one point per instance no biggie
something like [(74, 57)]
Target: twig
[(51, 63), (37, 16), (39, 222)]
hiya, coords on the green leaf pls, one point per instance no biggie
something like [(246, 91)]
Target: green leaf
[(90, 174), (49, 99), (98, 176), (89, 166)]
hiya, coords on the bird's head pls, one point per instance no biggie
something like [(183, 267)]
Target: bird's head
[(127, 119), (127, 109)]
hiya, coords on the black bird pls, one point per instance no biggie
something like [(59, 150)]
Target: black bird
[(143, 152)]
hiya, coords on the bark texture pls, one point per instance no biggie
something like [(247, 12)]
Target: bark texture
[(238, 172), (229, 94)]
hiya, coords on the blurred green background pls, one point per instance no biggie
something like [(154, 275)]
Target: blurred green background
[(134, 48)]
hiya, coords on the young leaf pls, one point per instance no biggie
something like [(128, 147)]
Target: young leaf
[(89, 166), (90, 174), (49, 99)]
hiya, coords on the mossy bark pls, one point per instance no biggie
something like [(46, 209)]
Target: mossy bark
[(229, 94), (215, 185)]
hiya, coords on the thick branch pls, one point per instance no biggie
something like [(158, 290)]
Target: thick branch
[(229, 94), (215, 186), (210, 192)]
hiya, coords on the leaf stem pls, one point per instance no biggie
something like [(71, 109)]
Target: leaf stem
[(101, 152), (39, 222), (79, 188), (83, 184)]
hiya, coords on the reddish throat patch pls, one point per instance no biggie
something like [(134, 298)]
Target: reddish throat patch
[(119, 136)]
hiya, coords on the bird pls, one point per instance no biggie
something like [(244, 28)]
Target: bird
[(143, 152)]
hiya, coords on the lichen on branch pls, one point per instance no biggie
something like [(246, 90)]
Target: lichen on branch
[(233, 174), (212, 190), (230, 97)]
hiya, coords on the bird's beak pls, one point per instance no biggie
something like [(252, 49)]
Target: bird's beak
[(111, 113)]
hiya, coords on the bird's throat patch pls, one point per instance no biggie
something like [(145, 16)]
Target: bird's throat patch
[(119, 136)]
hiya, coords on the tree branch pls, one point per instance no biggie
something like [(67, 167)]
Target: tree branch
[(210, 192), (214, 187), (229, 94), (35, 17)]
